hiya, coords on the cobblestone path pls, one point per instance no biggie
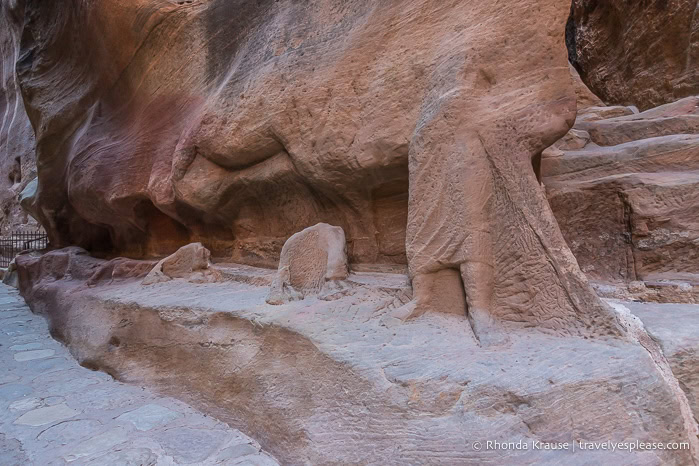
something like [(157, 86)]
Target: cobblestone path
[(55, 412)]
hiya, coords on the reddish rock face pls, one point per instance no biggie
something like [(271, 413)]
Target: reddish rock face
[(17, 162), (410, 124), (625, 191), (643, 53)]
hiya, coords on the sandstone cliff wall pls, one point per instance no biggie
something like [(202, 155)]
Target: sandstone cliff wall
[(643, 53), (17, 144), (415, 126)]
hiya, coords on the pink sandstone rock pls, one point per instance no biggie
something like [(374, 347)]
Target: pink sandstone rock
[(17, 140), (625, 190), (643, 53), (310, 259), (416, 126), (329, 382), (190, 262)]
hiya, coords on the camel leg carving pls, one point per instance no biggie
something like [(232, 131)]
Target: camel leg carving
[(481, 238)]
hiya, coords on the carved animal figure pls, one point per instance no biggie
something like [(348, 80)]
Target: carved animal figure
[(416, 125)]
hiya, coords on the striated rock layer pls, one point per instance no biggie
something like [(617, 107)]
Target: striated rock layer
[(333, 381), (413, 125), (17, 143), (624, 187), (643, 53)]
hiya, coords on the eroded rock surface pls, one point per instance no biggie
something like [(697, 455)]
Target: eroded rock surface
[(191, 262), (327, 381), (643, 53), (413, 125), (416, 127), (676, 328), (310, 259), (17, 141), (10, 276), (624, 187)]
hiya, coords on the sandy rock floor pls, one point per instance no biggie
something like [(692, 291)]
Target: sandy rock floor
[(55, 412)]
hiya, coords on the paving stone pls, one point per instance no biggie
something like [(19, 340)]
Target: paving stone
[(31, 355), (254, 460), (8, 378), (98, 444), (105, 397), (126, 457), (19, 319), (149, 416), (9, 316), (71, 431), (237, 451), (14, 391), (26, 404), (50, 365), (27, 337), (188, 445), (48, 415), (11, 452), (14, 328), (26, 347), (74, 385), (54, 412), (58, 378), (53, 400)]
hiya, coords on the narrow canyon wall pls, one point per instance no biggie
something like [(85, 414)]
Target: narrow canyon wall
[(415, 126), (643, 53), (158, 122), (17, 144)]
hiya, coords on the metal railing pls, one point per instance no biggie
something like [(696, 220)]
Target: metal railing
[(19, 241)]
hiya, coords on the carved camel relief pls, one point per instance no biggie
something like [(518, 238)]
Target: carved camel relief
[(414, 124)]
